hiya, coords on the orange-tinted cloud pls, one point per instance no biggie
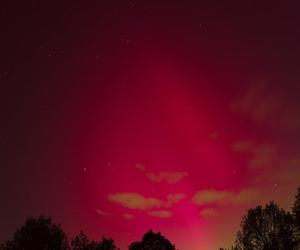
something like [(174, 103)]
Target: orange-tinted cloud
[(261, 155), (290, 118), (135, 201), (169, 177), (261, 102), (128, 216), (174, 198), (285, 171), (215, 135), (289, 169), (102, 213), (209, 196), (242, 146), (258, 101), (208, 213), (161, 214), (212, 196), (138, 201), (140, 167)]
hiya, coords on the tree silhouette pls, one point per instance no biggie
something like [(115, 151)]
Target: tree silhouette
[(38, 234), (81, 242), (103, 244), (232, 248), (152, 241), (267, 228), (107, 244), (296, 208)]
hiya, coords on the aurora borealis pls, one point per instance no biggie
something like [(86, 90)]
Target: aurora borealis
[(121, 116)]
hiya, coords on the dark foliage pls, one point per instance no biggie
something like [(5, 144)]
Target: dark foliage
[(152, 241), (296, 209), (262, 228), (270, 228), (267, 228), (81, 242), (38, 234)]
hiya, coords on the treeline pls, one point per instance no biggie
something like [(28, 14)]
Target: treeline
[(269, 228), (262, 228), (43, 234)]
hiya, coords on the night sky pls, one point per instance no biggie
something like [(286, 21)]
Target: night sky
[(121, 116)]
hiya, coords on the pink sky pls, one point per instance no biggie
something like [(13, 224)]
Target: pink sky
[(125, 116)]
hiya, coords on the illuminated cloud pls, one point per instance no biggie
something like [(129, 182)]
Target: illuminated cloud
[(135, 201), (102, 213), (290, 118), (245, 196), (174, 198), (286, 172), (263, 155), (208, 213), (215, 135), (212, 196), (258, 101), (128, 216), (291, 167), (209, 196), (279, 181), (242, 146), (261, 102), (140, 167), (161, 214), (138, 201), (169, 177)]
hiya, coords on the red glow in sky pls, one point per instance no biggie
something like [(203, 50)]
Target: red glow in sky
[(123, 117)]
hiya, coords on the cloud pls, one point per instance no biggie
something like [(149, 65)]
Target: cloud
[(174, 198), (245, 196), (169, 177), (265, 102), (291, 167), (135, 201), (128, 216), (208, 213), (161, 214), (262, 155), (212, 196), (138, 201), (209, 196), (242, 146), (285, 172), (258, 101), (290, 118), (102, 213), (140, 167), (215, 135), (280, 181)]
